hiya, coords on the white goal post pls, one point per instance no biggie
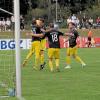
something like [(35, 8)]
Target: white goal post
[(17, 43)]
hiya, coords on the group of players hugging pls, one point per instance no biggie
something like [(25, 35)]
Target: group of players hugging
[(39, 35)]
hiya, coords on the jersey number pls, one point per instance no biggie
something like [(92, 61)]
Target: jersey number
[(54, 38)]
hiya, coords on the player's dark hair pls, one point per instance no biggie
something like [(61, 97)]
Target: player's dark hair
[(34, 21)]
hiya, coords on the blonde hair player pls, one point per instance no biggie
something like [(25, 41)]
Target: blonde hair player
[(35, 45)]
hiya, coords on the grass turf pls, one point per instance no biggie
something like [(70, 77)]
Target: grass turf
[(69, 84)]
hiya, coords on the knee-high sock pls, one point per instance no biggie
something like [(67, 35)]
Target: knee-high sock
[(27, 58), (37, 62), (42, 58), (57, 63), (68, 60), (29, 55), (51, 65), (79, 60)]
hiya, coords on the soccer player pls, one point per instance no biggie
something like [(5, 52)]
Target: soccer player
[(43, 44), (53, 36), (72, 50), (89, 44), (35, 46)]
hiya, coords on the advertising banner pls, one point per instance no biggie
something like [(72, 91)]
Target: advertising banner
[(8, 44)]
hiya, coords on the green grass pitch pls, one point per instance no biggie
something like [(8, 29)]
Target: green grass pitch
[(69, 84)]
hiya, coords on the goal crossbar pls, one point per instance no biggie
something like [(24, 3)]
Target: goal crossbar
[(6, 11)]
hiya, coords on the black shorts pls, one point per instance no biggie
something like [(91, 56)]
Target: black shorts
[(89, 38)]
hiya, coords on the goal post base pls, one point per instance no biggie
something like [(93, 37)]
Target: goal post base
[(4, 97)]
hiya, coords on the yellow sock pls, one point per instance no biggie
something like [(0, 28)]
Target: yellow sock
[(79, 59), (42, 58), (51, 65), (57, 63), (27, 58), (68, 60), (37, 63), (29, 55)]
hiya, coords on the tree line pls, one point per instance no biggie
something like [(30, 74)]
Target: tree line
[(46, 8)]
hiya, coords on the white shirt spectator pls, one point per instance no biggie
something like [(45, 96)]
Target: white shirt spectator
[(74, 21), (74, 17), (90, 20), (77, 21), (0, 22), (12, 19), (3, 22), (8, 22), (69, 20)]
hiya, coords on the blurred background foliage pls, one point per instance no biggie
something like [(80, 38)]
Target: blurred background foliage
[(47, 9)]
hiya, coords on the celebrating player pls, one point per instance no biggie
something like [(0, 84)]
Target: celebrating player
[(72, 50), (54, 45), (35, 46), (43, 44)]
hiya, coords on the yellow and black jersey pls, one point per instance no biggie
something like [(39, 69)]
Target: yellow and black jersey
[(36, 30), (72, 39), (53, 38)]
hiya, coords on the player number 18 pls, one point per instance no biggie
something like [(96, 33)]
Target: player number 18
[(54, 38)]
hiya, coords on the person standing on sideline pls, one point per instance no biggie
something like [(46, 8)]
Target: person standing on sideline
[(89, 44)]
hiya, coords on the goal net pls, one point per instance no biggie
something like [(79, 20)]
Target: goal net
[(7, 64)]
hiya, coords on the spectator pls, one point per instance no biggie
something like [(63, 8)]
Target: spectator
[(78, 23), (87, 24), (90, 22), (8, 24), (84, 18), (84, 21), (98, 20), (73, 17), (12, 22), (21, 22), (3, 25), (69, 20), (0, 24)]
